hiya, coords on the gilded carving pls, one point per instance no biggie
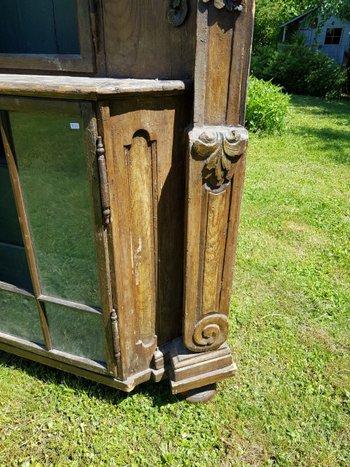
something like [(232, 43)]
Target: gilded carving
[(230, 5), (177, 12), (220, 147), (211, 331)]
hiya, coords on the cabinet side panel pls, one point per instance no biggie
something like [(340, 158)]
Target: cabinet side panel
[(141, 43), (146, 179)]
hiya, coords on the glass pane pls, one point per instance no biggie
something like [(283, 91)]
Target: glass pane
[(76, 332), (14, 267), (52, 167), (13, 262), (10, 231), (19, 317), (38, 27)]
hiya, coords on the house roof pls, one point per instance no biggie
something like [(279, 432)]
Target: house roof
[(297, 18)]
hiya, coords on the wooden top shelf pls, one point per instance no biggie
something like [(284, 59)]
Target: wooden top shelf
[(85, 88)]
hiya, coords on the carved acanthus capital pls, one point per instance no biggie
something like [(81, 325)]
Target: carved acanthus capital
[(221, 148), (231, 5)]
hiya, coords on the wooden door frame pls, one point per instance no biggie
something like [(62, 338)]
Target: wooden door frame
[(86, 110)]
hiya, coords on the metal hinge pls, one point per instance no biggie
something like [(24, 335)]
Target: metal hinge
[(100, 153), (115, 334)]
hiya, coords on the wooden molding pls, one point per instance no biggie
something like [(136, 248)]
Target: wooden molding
[(215, 168), (86, 88), (215, 176), (193, 370), (77, 365), (224, 40)]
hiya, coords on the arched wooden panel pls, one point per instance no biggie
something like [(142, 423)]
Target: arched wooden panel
[(145, 146)]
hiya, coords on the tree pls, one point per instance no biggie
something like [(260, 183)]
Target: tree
[(271, 14), (339, 8)]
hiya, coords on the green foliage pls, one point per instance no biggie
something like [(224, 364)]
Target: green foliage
[(267, 107), (325, 78), (270, 15), (299, 70), (339, 8)]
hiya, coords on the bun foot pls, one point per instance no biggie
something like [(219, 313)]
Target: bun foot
[(200, 395)]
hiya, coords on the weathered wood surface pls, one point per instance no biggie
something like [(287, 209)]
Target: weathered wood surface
[(75, 87), (224, 42), (195, 370), (65, 362), (215, 174), (101, 241), (144, 146), (141, 43)]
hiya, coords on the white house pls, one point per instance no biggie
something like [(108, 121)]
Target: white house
[(332, 36)]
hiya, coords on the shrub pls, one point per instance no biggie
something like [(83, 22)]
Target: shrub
[(300, 70), (267, 107), (326, 78)]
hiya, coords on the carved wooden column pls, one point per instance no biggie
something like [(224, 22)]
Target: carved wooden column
[(217, 146)]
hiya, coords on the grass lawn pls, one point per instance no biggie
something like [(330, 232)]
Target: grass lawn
[(290, 402)]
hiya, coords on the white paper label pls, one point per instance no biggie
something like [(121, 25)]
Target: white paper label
[(74, 126)]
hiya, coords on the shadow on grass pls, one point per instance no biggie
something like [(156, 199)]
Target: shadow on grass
[(339, 110), (334, 141), (160, 393)]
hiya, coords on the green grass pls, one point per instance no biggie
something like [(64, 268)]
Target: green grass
[(290, 402)]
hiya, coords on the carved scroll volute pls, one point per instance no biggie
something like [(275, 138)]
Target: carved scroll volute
[(215, 177)]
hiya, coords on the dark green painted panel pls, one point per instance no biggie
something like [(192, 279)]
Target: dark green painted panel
[(76, 332), (19, 317), (66, 26), (53, 173), (10, 31), (14, 267), (38, 27)]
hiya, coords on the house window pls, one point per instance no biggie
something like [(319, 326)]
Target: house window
[(333, 36)]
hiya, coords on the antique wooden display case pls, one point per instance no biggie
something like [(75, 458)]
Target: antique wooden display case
[(122, 159)]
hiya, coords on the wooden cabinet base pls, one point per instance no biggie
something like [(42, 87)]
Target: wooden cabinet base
[(189, 370), (192, 376)]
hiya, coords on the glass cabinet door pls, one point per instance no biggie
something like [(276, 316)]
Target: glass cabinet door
[(50, 146), (18, 309)]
